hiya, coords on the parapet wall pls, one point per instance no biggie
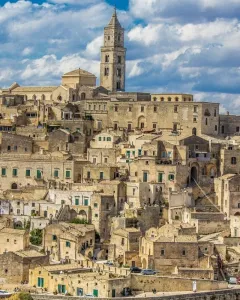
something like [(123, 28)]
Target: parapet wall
[(231, 294)]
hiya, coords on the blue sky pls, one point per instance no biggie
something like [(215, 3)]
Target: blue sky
[(173, 46)]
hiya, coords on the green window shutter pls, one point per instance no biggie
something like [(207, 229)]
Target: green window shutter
[(76, 201), (101, 175), (109, 139), (100, 138), (15, 172), (85, 202), (39, 174), (160, 177), (54, 237), (28, 173), (4, 171), (68, 244), (39, 282), (139, 152), (145, 177), (59, 288), (68, 174), (63, 289), (88, 175)]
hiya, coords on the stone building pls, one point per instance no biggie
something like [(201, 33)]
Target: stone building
[(70, 242), (14, 266), (13, 240)]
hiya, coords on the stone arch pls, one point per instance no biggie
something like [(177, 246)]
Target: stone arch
[(18, 224), (144, 263), (89, 254), (14, 186), (43, 97), (142, 122), (82, 215)]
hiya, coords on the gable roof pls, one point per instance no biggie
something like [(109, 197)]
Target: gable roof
[(77, 73)]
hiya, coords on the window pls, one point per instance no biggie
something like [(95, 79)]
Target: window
[(183, 252), (105, 160), (154, 125), (129, 126), (194, 120), (88, 175), (15, 148), (94, 160), (76, 200), (142, 108), (162, 99), (39, 174), (169, 99), (61, 289), (101, 175), (89, 107), (222, 129), (40, 282), (155, 109), (85, 202), (162, 252), (116, 108), (96, 215), (15, 172), (171, 177), (68, 174), (118, 85), (55, 174), (145, 176), (4, 171), (142, 125), (54, 237), (215, 112), (68, 244), (233, 160), (95, 205), (216, 128), (175, 108), (115, 126), (109, 37), (109, 139), (123, 241), (28, 172), (139, 152), (9, 148), (130, 108), (106, 72), (237, 129), (119, 59), (155, 99), (195, 109), (206, 121), (107, 58), (160, 177), (119, 37), (238, 205), (119, 72)]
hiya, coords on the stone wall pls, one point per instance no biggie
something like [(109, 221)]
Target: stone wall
[(216, 295)]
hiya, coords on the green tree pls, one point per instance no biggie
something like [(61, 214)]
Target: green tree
[(79, 221), (36, 237)]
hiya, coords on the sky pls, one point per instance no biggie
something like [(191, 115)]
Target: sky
[(186, 46)]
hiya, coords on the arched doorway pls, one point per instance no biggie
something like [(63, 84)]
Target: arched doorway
[(14, 186), (194, 175), (141, 122), (194, 131)]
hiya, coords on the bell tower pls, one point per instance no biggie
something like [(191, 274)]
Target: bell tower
[(113, 56)]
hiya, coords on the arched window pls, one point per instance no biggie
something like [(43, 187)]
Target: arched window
[(206, 121), (162, 99), (155, 99), (233, 160), (83, 96), (34, 97), (43, 97), (107, 58), (14, 186), (106, 72), (59, 97), (169, 99), (194, 131), (176, 99)]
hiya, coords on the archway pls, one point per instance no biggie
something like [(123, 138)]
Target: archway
[(18, 224), (144, 263), (83, 96), (141, 122), (14, 186), (194, 131), (194, 175), (82, 215)]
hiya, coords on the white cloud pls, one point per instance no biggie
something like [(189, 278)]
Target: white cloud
[(93, 48), (27, 51), (76, 2)]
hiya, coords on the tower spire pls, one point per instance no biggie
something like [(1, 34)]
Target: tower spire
[(114, 22)]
